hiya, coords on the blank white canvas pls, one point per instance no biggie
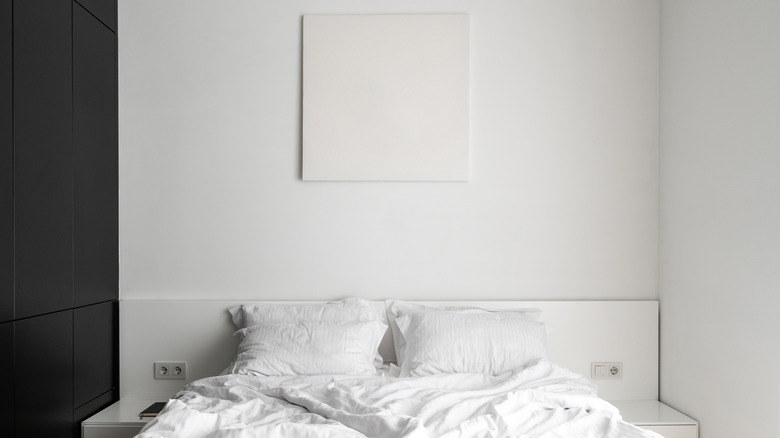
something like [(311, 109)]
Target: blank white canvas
[(386, 97)]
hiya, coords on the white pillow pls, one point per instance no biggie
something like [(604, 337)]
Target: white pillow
[(308, 348), (346, 310), (396, 308), (452, 342)]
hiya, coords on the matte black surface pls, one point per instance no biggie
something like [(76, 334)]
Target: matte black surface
[(105, 10), (95, 187), (44, 350), (95, 351), (6, 165), (70, 355), (42, 148), (7, 370)]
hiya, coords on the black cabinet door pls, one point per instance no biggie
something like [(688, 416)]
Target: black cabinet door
[(44, 397), (104, 10), (6, 164), (95, 351), (7, 371), (42, 156), (95, 186)]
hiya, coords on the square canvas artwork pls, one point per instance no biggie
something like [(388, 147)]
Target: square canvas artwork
[(386, 97)]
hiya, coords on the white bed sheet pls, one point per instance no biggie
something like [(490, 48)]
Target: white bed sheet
[(542, 400)]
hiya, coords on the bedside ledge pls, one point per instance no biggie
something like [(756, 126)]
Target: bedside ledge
[(658, 417), (120, 420)]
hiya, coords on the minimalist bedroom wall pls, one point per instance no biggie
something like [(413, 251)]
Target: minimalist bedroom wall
[(720, 240), (563, 197)]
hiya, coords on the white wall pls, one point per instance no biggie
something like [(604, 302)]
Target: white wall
[(720, 214), (563, 201)]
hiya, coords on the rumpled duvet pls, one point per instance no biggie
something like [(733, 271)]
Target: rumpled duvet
[(542, 400)]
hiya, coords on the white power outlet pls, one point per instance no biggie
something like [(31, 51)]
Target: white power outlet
[(606, 370), (170, 370)]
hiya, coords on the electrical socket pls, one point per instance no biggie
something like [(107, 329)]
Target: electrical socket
[(606, 370), (170, 370)]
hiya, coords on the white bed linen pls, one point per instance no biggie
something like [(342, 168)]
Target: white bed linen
[(542, 400)]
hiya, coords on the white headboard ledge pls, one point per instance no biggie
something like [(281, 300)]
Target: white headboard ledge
[(200, 333)]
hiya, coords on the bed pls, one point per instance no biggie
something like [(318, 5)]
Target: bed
[(357, 368)]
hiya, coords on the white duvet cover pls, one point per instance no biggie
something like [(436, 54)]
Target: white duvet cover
[(542, 400)]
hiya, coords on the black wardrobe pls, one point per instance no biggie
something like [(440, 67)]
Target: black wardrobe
[(58, 214)]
